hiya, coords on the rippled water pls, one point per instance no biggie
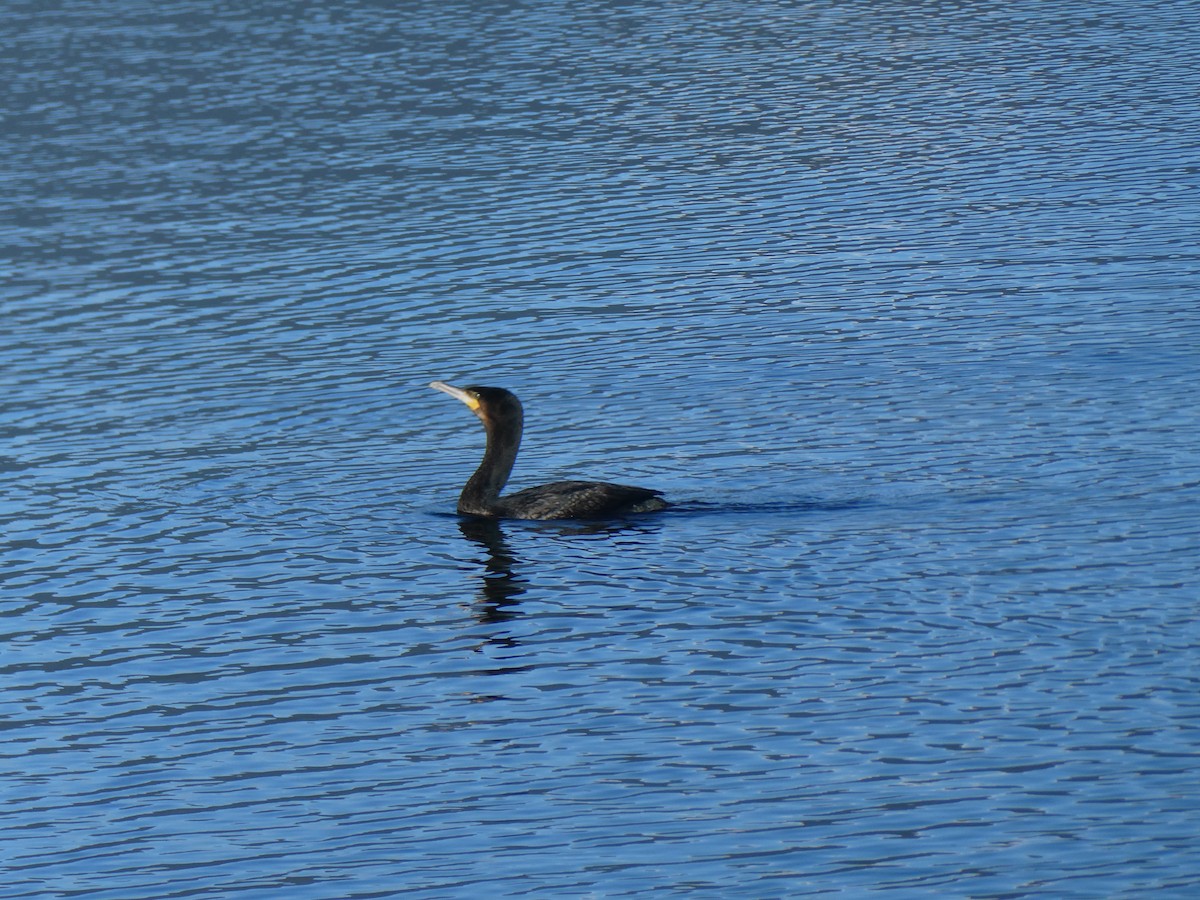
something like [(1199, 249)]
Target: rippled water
[(895, 301)]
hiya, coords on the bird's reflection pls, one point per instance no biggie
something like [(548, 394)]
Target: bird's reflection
[(500, 586)]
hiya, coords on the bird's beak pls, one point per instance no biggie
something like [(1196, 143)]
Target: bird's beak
[(457, 393)]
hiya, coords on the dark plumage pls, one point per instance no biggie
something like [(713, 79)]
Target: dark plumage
[(502, 417)]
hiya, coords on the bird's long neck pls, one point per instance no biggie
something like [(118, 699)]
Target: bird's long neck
[(482, 489)]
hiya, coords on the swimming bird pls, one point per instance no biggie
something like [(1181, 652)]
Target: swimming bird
[(503, 418)]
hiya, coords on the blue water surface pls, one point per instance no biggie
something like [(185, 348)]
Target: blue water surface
[(895, 301)]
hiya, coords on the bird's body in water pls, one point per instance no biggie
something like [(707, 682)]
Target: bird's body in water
[(503, 418)]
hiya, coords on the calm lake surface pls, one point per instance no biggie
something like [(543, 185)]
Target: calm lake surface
[(897, 302)]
